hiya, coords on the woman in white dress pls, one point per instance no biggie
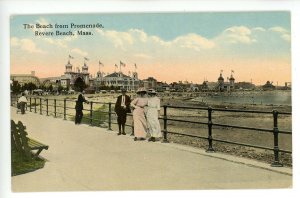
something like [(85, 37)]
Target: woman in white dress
[(152, 114), (139, 119)]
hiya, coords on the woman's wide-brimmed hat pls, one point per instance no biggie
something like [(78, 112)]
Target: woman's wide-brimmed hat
[(141, 90), (152, 91)]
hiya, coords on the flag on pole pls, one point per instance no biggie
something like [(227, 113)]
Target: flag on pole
[(116, 65), (86, 59), (122, 64), (100, 63), (71, 57), (232, 71)]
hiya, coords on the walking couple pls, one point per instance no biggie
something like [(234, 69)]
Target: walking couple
[(145, 115)]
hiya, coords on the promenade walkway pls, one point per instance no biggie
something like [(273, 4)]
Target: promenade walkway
[(85, 158)]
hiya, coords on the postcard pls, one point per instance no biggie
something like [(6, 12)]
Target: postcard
[(147, 101)]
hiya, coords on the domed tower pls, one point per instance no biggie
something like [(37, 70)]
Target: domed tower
[(220, 82), (135, 75), (68, 67), (231, 80), (99, 74), (85, 69), (221, 79)]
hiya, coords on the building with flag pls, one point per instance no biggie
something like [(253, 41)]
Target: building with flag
[(223, 85), (72, 75), (119, 80)]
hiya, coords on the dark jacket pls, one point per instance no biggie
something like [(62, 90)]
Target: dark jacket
[(79, 102), (118, 107)]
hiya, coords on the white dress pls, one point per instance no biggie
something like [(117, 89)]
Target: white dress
[(139, 119), (152, 117)]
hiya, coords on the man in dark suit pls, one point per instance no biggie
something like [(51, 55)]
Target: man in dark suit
[(122, 107), (79, 107)]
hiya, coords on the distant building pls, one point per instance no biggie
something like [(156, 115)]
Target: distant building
[(71, 76), (244, 85), (204, 86), (118, 79), (225, 86), (268, 86), (54, 81), (150, 83), (162, 86), (25, 78)]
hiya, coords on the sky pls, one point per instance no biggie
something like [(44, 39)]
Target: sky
[(170, 47)]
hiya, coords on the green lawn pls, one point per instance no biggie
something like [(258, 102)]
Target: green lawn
[(99, 116), (20, 165)]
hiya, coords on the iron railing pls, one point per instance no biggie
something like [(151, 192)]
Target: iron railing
[(45, 103)]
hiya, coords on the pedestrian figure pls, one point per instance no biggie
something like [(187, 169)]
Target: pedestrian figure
[(79, 107), (139, 119), (152, 115), (122, 107), (22, 102)]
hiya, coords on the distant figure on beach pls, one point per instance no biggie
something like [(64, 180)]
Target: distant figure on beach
[(79, 107), (22, 102), (139, 119), (152, 114), (122, 107)]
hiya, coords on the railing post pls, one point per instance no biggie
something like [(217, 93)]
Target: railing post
[(91, 113), (34, 105), (132, 128), (41, 106), (109, 116), (209, 124), (165, 131), (30, 103), (276, 162), (65, 109), (47, 107), (55, 108)]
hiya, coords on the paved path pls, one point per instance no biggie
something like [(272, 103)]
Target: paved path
[(84, 158)]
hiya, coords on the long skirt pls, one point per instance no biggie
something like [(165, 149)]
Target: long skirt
[(153, 123), (139, 123)]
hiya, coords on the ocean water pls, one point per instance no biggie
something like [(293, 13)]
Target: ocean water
[(250, 97)]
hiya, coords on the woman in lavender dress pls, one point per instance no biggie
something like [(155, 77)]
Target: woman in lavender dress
[(139, 119)]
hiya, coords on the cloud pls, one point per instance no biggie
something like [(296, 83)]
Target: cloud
[(193, 41), (123, 40), (26, 45), (58, 42), (119, 39), (260, 29), (237, 34), (284, 33), (144, 56), (79, 51)]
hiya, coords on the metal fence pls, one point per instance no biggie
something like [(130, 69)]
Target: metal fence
[(61, 108)]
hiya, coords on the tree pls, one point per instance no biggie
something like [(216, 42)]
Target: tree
[(43, 87), (15, 87), (29, 86), (60, 88), (50, 88), (79, 84)]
